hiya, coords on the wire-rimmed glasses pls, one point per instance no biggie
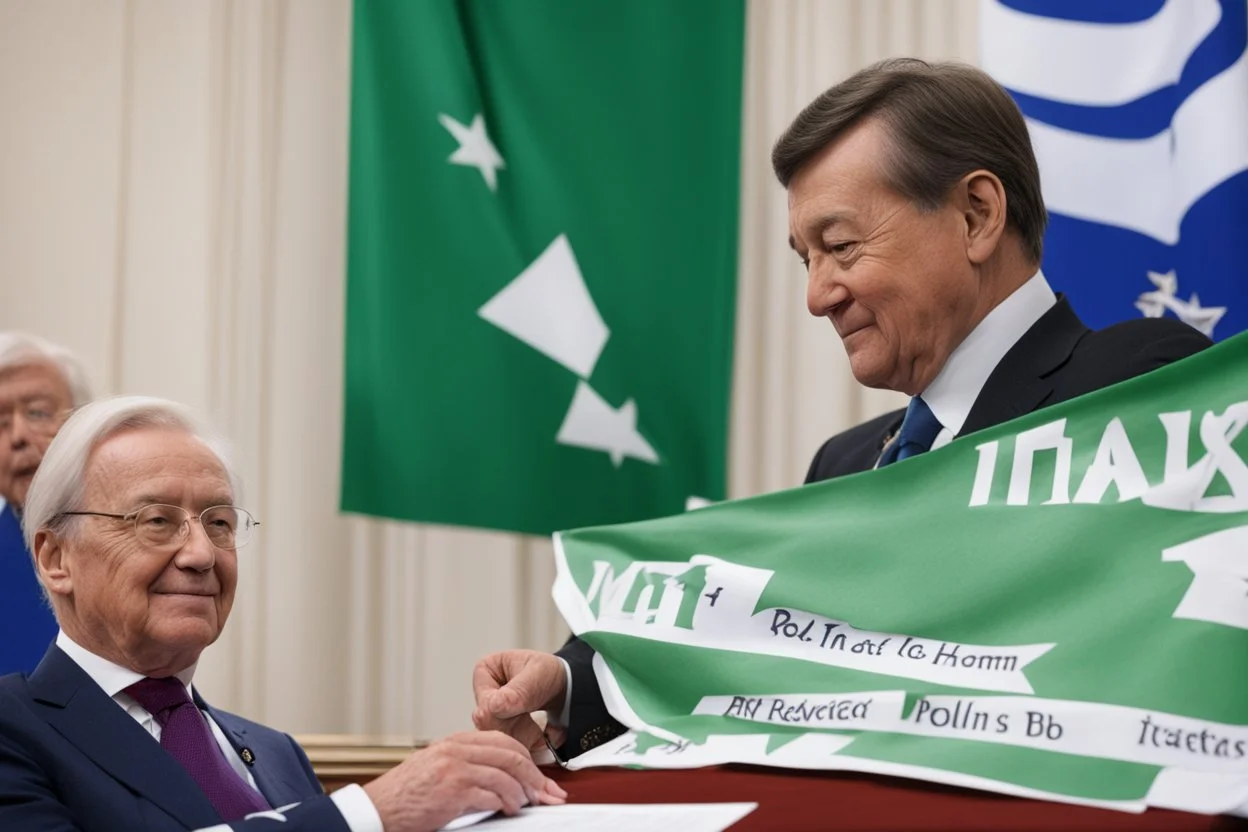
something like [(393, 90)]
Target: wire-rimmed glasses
[(165, 527)]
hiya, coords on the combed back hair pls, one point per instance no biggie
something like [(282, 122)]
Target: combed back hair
[(19, 349), (943, 120), (59, 483)]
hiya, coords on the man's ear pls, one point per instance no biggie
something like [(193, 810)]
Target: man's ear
[(51, 562), (981, 198)]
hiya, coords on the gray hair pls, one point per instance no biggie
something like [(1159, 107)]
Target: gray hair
[(61, 479), (19, 349)]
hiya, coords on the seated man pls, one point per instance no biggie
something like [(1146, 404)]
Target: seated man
[(914, 204), (39, 383), (135, 539)]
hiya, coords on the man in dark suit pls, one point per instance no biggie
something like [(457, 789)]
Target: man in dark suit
[(914, 203), (135, 537)]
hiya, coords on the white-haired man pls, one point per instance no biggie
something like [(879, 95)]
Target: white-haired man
[(132, 522), (39, 383)]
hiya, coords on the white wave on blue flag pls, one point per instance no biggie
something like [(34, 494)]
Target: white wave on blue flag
[(1138, 112)]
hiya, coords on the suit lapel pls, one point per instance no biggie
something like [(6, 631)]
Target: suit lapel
[(67, 698), (1020, 383), (273, 779)]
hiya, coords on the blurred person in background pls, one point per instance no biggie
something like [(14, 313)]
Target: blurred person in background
[(40, 383), (136, 535)]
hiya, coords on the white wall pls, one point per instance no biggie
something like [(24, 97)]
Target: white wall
[(172, 206)]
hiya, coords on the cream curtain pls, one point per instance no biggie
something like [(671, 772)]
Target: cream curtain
[(172, 206)]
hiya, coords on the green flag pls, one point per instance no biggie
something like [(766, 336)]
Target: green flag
[(542, 259), (1056, 607)]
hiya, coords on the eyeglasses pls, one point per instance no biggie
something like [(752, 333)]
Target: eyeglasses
[(41, 417), (161, 526)]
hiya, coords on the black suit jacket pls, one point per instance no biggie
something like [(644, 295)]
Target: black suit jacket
[(1057, 359)]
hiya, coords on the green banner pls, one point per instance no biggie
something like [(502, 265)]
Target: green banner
[(1057, 607), (541, 259)]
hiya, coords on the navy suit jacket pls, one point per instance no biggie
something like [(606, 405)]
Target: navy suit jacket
[(27, 625), (71, 759)]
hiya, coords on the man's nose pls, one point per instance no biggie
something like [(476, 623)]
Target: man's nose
[(197, 552), (19, 432), (824, 290)]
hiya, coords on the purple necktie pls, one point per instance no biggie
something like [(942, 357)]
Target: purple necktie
[(186, 736)]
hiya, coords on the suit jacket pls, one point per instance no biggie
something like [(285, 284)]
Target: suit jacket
[(27, 625), (1057, 359), (71, 759)]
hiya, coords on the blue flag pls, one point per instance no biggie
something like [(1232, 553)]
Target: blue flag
[(1138, 112), (27, 626)]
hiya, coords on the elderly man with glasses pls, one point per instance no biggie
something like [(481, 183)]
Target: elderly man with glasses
[(135, 535), (39, 383)]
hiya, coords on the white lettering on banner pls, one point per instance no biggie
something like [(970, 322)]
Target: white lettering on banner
[(710, 602), (981, 492), (1182, 487), (1050, 437), (1087, 729), (1115, 464), (1219, 590)]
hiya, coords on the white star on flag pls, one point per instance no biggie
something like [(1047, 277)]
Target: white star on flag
[(1154, 304), (475, 148)]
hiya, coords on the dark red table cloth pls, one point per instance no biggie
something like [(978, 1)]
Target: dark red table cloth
[(794, 801)]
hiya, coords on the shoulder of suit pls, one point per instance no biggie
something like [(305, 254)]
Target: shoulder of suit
[(1142, 333)]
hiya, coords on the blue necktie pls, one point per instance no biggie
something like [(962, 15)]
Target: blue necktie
[(918, 432)]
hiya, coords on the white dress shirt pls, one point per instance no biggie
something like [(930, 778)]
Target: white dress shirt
[(958, 384), (352, 801)]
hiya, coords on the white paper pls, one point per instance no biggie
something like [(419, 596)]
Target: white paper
[(469, 819), (617, 817)]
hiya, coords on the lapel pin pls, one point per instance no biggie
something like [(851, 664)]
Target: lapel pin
[(248, 757)]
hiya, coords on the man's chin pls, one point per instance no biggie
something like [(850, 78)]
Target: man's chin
[(869, 371)]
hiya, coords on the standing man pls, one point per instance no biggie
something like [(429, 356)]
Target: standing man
[(39, 383), (915, 206)]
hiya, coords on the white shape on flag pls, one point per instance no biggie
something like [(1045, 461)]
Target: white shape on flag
[(1219, 590), (549, 308), (475, 148), (1098, 64), (1155, 303), (1148, 185), (594, 424)]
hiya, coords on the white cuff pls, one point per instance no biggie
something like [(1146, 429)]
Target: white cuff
[(564, 715), (357, 809)]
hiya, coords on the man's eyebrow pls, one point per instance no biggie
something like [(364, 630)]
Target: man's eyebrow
[(829, 220), (148, 498), (822, 224)]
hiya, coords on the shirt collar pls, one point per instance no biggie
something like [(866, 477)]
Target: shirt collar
[(954, 390), (113, 678)]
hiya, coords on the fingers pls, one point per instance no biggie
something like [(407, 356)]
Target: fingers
[(557, 733), (518, 682), (510, 793), (488, 675), (522, 729), (509, 757), (481, 800), (553, 794)]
